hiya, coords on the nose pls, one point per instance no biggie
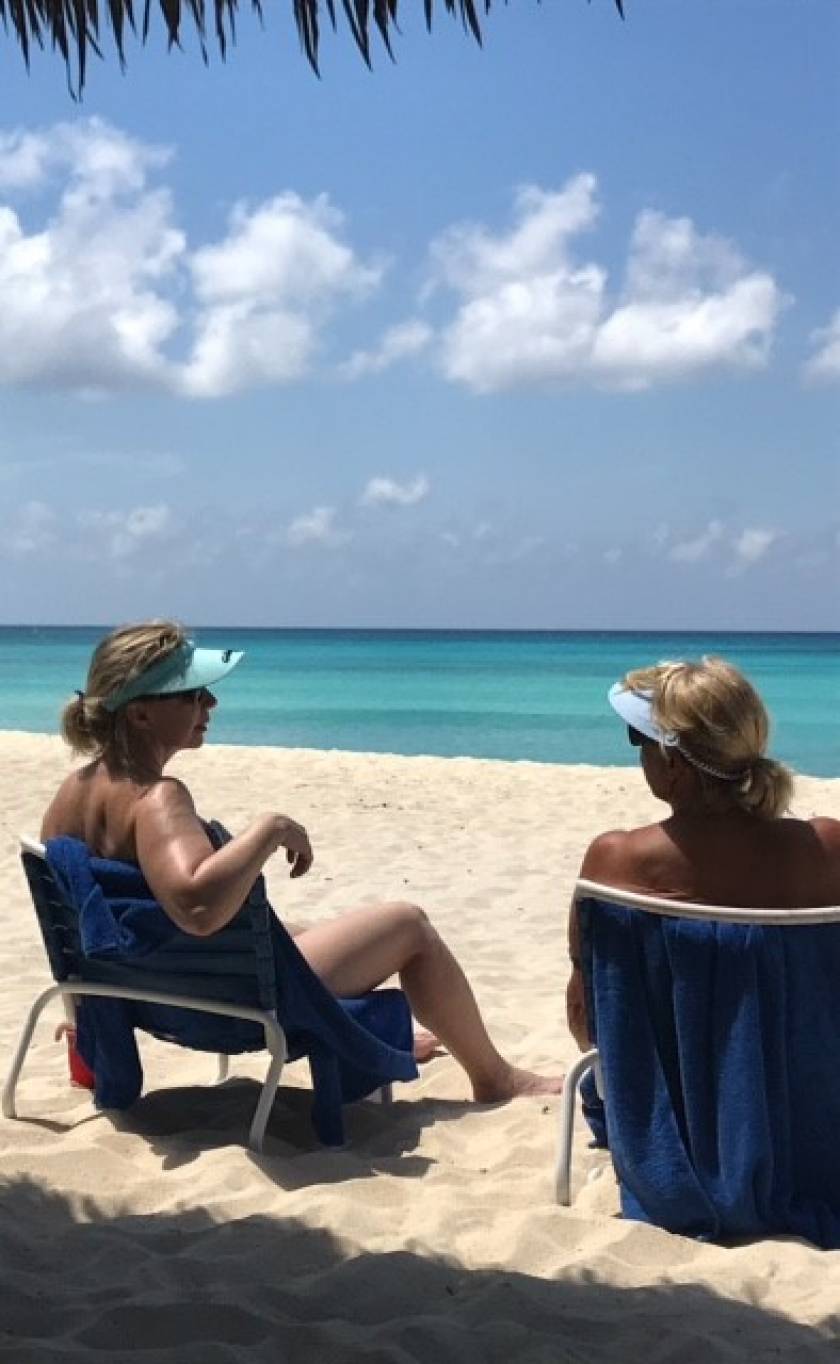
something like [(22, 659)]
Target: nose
[(208, 699)]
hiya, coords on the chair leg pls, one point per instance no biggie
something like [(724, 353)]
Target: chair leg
[(383, 1095), (275, 1041), (599, 1079), (562, 1178), (223, 1067), (265, 1104), (8, 1101)]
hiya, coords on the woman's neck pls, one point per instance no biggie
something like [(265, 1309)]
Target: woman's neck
[(697, 807), (139, 766)]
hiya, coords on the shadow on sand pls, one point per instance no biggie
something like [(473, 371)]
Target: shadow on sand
[(182, 1122), (83, 1286)]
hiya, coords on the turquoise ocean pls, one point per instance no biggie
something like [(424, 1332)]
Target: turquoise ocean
[(487, 694)]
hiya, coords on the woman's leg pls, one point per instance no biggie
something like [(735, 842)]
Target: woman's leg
[(362, 949)]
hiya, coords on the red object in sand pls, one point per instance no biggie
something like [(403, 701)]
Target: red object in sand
[(80, 1073)]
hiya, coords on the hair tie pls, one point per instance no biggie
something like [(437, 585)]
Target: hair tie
[(80, 694), (713, 771)]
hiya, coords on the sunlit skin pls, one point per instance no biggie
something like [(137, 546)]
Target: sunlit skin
[(137, 814), (713, 856)]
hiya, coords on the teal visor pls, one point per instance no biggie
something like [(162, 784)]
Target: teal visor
[(187, 669)]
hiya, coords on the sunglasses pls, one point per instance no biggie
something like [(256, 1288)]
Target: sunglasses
[(188, 697), (637, 738)]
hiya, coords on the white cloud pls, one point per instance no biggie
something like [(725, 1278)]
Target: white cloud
[(33, 531), (98, 160), (613, 555), (110, 295), (530, 312), (81, 300), (746, 547), (689, 551), (265, 290), (690, 304), (23, 159), (386, 492), (316, 527), (125, 533), (824, 364), (398, 343), (753, 543)]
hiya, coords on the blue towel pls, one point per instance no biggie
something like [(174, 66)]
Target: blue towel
[(354, 1046), (718, 1045)]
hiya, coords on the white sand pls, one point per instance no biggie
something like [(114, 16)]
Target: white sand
[(434, 1235)]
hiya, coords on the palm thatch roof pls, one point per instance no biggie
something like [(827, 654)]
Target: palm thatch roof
[(74, 26)]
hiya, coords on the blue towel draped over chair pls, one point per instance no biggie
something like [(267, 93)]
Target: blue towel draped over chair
[(719, 1048), (354, 1046)]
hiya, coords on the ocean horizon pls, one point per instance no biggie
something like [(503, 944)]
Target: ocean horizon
[(538, 695)]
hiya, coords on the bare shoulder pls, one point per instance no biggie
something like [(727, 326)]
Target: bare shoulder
[(166, 825), (62, 813), (827, 831), (165, 811), (635, 859), (167, 794), (614, 855)]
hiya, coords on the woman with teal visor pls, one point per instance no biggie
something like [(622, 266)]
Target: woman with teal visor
[(148, 696)]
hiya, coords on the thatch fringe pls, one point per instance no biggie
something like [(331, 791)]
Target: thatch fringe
[(73, 26)]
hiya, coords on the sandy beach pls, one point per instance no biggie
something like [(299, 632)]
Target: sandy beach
[(434, 1235)]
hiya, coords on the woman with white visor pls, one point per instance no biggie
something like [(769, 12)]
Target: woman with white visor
[(701, 730)]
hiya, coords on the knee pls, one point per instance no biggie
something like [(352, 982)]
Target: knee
[(415, 922)]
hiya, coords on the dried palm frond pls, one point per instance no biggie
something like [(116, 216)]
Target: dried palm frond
[(73, 26)]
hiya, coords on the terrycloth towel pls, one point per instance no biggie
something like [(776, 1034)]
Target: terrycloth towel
[(354, 1046), (719, 1046)]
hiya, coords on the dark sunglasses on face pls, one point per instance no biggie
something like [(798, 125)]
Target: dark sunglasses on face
[(188, 697), (636, 737)]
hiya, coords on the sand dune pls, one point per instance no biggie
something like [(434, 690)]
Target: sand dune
[(433, 1236)]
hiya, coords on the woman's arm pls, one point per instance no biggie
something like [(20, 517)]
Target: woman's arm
[(605, 861), (575, 997), (202, 888)]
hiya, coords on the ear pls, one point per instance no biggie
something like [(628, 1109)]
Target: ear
[(139, 714)]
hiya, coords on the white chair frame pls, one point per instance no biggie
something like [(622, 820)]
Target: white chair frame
[(678, 909), (69, 990)]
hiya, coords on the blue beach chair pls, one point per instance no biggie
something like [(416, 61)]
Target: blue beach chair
[(119, 963), (717, 1032)]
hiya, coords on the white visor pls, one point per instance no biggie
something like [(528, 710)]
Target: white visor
[(636, 710)]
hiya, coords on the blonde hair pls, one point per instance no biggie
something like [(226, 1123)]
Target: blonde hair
[(721, 727), (86, 723)]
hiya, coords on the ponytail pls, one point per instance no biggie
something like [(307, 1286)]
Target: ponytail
[(87, 726), (767, 789)]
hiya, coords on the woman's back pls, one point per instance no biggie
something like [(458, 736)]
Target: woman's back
[(99, 808), (719, 859)]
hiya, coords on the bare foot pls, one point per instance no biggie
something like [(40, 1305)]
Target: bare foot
[(426, 1045), (512, 1083)]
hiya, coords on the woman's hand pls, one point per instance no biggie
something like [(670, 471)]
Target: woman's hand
[(294, 838)]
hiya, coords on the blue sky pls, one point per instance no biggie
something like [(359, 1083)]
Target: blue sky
[(545, 334)]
